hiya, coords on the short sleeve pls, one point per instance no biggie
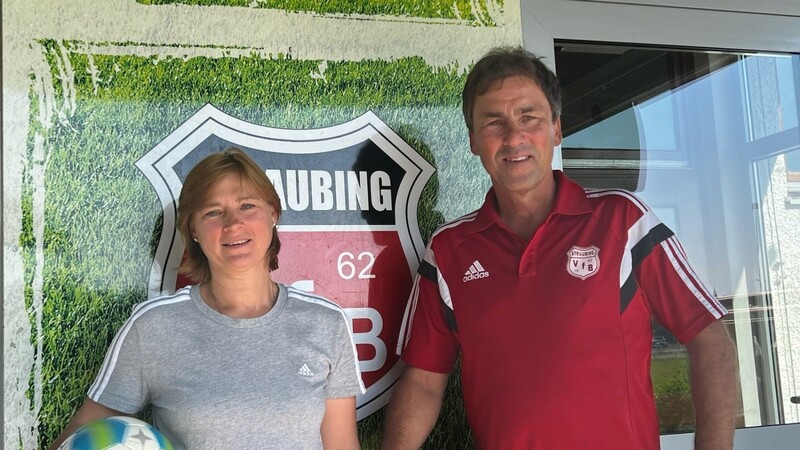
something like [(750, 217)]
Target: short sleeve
[(344, 379), (432, 344), (120, 384), (676, 296)]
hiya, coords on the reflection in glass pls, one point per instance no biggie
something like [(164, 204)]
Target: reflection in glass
[(711, 141)]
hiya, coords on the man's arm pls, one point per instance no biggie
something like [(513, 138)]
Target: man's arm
[(712, 369), (413, 409), (88, 412)]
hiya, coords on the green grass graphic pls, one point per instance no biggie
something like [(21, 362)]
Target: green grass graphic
[(102, 218), (430, 9)]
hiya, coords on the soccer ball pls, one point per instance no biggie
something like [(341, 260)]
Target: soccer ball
[(116, 433)]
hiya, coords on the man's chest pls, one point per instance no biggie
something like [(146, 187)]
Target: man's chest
[(559, 279)]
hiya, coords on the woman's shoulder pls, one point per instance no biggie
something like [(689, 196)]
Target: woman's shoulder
[(163, 303), (311, 302)]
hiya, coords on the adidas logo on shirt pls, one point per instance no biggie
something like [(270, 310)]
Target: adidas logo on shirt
[(475, 272), (305, 371)]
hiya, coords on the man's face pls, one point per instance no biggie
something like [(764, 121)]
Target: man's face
[(513, 133)]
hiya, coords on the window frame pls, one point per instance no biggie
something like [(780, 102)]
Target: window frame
[(714, 24)]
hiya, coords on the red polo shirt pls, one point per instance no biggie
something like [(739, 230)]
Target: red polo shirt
[(555, 333)]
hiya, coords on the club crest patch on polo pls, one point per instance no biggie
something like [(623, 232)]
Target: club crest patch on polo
[(348, 228), (583, 262)]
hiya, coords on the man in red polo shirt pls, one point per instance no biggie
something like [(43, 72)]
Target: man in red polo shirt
[(547, 293)]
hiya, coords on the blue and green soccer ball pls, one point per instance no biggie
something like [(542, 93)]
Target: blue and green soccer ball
[(116, 433)]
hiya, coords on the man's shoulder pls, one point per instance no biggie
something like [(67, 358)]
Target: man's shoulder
[(456, 229), (619, 201)]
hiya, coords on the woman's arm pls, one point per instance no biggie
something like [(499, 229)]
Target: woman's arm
[(89, 411), (338, 428)]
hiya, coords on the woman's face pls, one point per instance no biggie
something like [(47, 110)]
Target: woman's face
[(234, 227)]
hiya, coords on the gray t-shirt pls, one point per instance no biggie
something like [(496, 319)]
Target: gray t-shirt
[(220, 383)]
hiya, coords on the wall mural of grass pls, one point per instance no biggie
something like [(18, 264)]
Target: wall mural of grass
[(102, 217), (478, 12)]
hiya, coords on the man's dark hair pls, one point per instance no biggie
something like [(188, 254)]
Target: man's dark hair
[(504, 62)]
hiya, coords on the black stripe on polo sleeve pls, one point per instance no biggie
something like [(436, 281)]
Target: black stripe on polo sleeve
[(429, 272), (639, 252)]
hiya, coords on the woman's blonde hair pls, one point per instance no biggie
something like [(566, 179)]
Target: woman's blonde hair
[(194, 194)]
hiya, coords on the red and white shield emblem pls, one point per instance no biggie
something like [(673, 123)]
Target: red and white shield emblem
[(349, 226), (583, 262)]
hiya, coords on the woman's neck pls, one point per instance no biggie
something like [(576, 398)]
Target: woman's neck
[(240, 298)]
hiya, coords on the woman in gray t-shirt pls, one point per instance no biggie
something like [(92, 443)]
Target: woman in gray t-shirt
[(236, 360)]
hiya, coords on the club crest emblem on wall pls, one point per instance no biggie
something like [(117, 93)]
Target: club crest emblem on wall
[(349, 225), (583, 262)]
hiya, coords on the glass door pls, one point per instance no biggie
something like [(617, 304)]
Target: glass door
[(710, 140)]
